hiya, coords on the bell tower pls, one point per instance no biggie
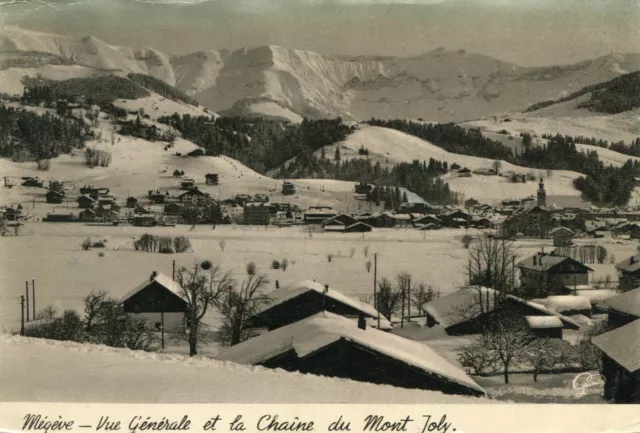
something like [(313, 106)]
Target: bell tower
[(542, 194)]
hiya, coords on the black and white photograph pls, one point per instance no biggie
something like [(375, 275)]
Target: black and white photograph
[(390, 202)]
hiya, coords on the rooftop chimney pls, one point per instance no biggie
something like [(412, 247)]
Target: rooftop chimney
[(326, 288), (154, 274), (362, 323)]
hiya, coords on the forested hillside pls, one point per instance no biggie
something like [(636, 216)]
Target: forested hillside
[(611, 97), (27, 136), (260, 144), (601, 185)]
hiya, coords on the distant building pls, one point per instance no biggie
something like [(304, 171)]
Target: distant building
[(55, 197), (195, 197), (363, 188), (543, 274), (59, 218), (562, 237), (87, 215), (542, 194), (533, 222), (288, 188), (33, 182), (187, 184), (157, 299), (471, 203), (340, 219), (629, 273), (132, 202), (86, 202), (143, 220), (318, 214), (257, 214), (211, 178)]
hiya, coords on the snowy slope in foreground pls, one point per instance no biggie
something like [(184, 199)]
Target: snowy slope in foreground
[(30, 372)]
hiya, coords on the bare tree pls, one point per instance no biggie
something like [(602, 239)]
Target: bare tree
[(202, 289), (388, 298), (466, 241), (365, 251), (476, 358), (505, 336), (237, 306), (421, 294), (368, 265), (97, 308), (601, 254), (492, 263), (222, 244), (542, 354)]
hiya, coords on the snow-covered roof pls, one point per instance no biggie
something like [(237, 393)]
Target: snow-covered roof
[(544, 322), (622, 345), (465, 304), (566, 303), (313, 333), (628, 302), (296, 289), (161, 279), (594, 295)]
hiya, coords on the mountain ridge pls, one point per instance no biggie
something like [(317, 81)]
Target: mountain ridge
[(439, 85)]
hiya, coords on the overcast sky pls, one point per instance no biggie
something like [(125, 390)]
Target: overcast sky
[(526, 32)]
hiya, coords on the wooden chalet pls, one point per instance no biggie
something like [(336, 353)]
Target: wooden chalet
[(306, 298), (173, 208), (629, 273), (87, 215), (288, 188), (132, 202), (157, 197), (86, 202), (621, 362), (156, 299), (545, 326), (55, 196), (464, 311), (194, 197), (148, 220), (623, 308), (187, 184), (328, 344), (471, 203), (382, 220), (562, 236), (549, 274)]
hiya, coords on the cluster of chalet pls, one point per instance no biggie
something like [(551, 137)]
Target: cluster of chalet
[(315, 329), (543, 215)]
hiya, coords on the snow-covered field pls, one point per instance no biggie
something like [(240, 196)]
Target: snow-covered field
[(435, 257)]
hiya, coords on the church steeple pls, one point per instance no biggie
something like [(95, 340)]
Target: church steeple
[(542, 194)]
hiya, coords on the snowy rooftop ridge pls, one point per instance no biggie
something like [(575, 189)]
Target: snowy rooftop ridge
[(298, 288), (161, 279), (622, 345), (313, 333)]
